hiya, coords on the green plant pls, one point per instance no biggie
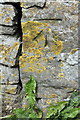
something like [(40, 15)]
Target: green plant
[(32, 111), (66, 110)]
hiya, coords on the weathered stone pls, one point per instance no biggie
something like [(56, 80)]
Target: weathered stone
[(61, 74), (56, 75), (50, 92), (8, 49), (10, 102), (61, 20), (70, 68), (9, 89), (7, 15), (9, 75), (8, 30)]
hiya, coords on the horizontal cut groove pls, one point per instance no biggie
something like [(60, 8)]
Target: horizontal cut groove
[(57, 19), (9, 34), (10, 84)]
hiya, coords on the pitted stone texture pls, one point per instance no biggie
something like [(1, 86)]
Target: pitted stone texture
[(55, 75), (9, 47), (50, 92), (70, 68), (9, 89), (7, 15), (73, 58), (66, 30), (10, 102), (51, 87), (27, 4), (8, 30), (9, 75)]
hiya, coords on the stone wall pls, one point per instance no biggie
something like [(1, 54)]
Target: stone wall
[(39, 39)]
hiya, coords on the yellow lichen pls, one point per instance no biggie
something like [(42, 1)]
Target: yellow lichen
[(57, 47), (43, 68), (12, 62), (1, 77), (5, 58), (1, 14), (61, 75), (73, 51), (49, 101), (14, 74), (11, 90), (39, 71), (33, 46), (61, 65), (7, 19), (0, 58), (16, 44), (50, 58), (22, 65), (25, 70), (31, 28), (31, 69)]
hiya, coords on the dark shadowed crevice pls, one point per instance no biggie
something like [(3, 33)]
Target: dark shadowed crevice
[(19, 53), (18, 12)]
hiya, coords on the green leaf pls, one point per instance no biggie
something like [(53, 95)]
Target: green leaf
[(74, 94), (55, 110), (20, 113), (70, 112), (75, 102), (30, 90)]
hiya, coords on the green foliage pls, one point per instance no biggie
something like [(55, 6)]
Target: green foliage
[(54, 110), (66, 110), (30, 91), (32, 111)]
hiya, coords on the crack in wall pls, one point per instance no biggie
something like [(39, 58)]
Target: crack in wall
[(18, 11)]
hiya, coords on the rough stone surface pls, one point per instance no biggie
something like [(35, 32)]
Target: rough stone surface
[(55, 25), (9, 49), (61, 74), (9, 75), (8, 30), (7, 14), (66, 29)]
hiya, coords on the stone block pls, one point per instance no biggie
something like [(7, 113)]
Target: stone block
[(7, 15), (9, 75), (9, 47), (8, 30)]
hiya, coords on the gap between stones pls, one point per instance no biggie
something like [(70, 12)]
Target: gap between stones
[(19, 33)]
